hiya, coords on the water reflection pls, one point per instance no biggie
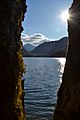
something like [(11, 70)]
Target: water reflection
[(61, 67), (42, 81)]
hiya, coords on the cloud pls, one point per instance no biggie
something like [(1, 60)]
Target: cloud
[(34, 39)]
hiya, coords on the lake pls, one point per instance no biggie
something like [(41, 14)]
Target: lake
[(42, 81)]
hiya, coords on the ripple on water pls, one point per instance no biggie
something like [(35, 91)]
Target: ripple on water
[(42, 80)]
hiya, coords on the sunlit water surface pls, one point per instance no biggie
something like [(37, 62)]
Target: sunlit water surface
[(42, 81)]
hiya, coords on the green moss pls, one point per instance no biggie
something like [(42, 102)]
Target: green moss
[(11, 62)]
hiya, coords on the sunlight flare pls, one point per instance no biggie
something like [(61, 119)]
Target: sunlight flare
[(65, 15)]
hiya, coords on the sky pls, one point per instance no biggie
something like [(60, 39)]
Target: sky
[(43, 22)]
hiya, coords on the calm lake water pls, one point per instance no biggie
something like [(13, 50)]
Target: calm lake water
[(42, 81)]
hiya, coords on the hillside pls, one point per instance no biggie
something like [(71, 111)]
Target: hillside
[(29, 47), (53, 48), (50, 49)]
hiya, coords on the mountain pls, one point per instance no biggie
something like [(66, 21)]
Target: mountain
[(48, 49), (29, 47), (26, 53), (53, 48), (59, 48)]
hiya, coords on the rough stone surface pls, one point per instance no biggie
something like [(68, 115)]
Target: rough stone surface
[(11, 63), (68, 103)]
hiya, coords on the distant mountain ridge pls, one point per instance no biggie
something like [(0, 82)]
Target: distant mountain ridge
[(51, 49), (29, 47), (26, 53)]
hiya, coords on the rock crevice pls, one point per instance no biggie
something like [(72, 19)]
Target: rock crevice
[(11, 63), (68, 103)]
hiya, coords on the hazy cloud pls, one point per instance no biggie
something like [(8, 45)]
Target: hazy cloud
[(34, 39)]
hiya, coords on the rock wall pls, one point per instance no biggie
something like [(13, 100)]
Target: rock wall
[(11, 63), (68, 103)]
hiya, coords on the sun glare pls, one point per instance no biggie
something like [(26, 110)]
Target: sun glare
[(65, 15)]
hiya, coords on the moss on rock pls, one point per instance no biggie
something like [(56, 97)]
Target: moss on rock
[(11, 62)]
